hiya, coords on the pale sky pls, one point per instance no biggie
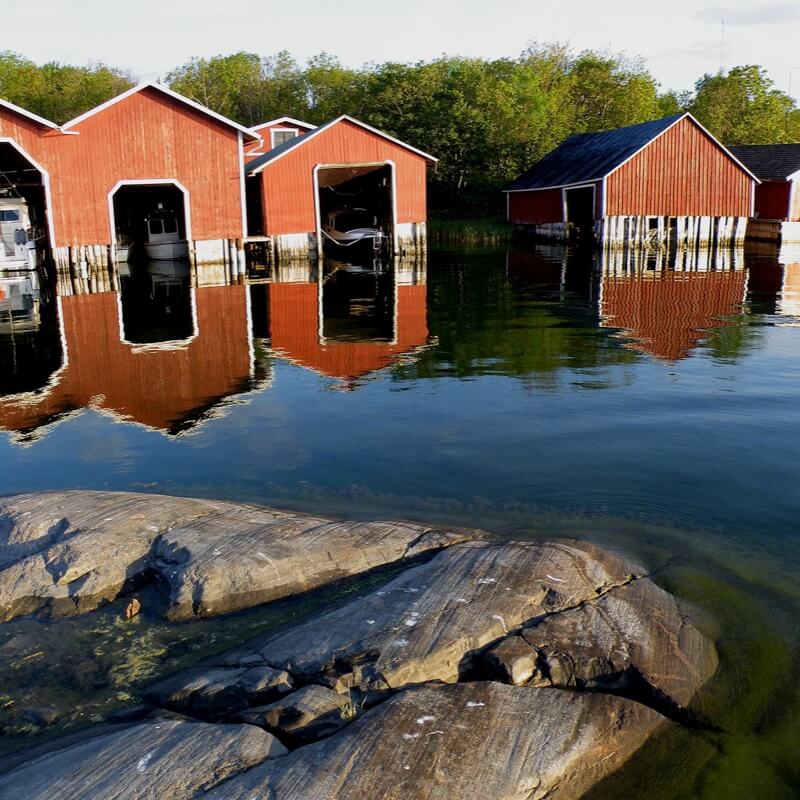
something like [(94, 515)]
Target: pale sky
[(679, 39)]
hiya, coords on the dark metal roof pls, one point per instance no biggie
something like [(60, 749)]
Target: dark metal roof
[(770, 162), (590, 156)]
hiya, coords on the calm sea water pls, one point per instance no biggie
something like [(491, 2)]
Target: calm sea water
[(649, 406)]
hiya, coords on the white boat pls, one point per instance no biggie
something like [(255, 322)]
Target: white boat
[(164, 241), (18, 240), (342, 228), (19, 303)]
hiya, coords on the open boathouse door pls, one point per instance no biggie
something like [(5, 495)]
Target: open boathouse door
[(356, 215), (150, 221), (24, 228), (579, 207)]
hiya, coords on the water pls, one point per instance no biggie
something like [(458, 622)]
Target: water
[(536, 392)]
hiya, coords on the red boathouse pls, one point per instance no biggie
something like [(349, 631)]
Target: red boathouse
[(344, 163), (147, 148), (668, 181)]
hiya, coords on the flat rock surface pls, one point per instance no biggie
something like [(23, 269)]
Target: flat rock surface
[(469, 741), (424, 624), (68, 552), (153, 760)]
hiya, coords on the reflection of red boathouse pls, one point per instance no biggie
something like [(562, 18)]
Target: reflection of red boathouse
[(667, 314), (162, 387), (294, 313)]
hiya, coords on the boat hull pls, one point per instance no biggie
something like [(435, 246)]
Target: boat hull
[(166, 251)]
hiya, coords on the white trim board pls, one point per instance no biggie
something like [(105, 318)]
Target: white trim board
[(281, 120), (303, 140), (28, 114), (169, 93)]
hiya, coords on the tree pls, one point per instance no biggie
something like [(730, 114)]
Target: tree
[(744, 107)]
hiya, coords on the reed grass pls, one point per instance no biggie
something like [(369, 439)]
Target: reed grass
[(478, 231)]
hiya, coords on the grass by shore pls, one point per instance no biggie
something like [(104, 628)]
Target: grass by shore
[(478, 231)]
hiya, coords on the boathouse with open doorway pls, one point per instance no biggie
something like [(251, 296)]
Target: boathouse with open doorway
[(666, 182), (317, 188), (147, 165)]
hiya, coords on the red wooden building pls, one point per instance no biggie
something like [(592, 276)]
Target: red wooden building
[(295, 186), (275, 133), (777, 199), (90, 178), (669, 180)]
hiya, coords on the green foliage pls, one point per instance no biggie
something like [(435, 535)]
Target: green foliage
[(486, 120), (58, 92), (744, 107)]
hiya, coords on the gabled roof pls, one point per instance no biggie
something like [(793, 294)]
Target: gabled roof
[(169, 93), (770, 162), (45, 123), (283, 121), (258, 164), (589, 157)]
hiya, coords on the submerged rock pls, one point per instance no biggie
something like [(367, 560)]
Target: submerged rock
[(468, 741), (160, 758), (69, 552)]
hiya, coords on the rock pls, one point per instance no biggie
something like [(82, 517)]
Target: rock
[(41, 716), (310, 713), (133, 608), (513, 659), (468, 741), (630, 639), (163, 758), (69, 552), (426, 624), (208, 692)]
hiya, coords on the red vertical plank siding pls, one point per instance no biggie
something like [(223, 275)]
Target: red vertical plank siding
[(772, 200), (288, 183), (143, 137), (253, 149), (535, 208), (683, 172)]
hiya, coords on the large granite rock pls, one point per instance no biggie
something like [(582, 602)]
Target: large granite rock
[(69, 552), (429, 622), (153, 760), (469, 741)]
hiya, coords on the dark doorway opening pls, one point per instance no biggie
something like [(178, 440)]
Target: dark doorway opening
[(357, 304), (356, 212), (150, 222), (580, 212), (24, 240), (156, 301)]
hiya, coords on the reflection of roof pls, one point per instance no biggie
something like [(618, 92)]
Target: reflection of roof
[(668, 314), (770, 162), (300, 141), (294, 332), (168, 390)]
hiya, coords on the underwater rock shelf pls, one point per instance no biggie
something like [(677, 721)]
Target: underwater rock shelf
[(511, 670)]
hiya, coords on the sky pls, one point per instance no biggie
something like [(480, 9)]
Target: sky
[(679, 40)]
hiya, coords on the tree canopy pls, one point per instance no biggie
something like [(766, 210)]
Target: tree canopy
[(487, 120)]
